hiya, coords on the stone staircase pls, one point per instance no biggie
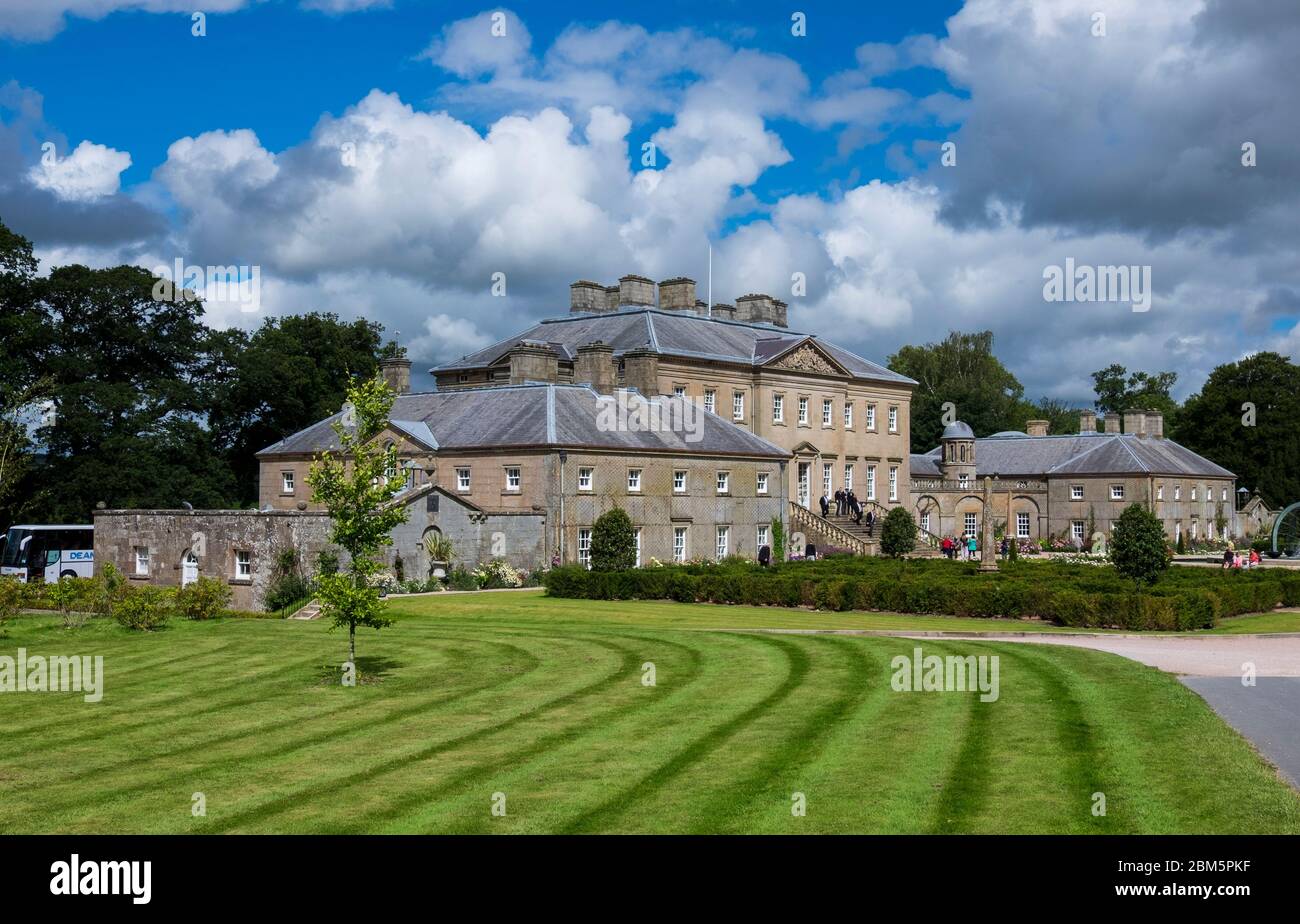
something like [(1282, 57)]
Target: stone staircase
[(841, 532), (310, 611)]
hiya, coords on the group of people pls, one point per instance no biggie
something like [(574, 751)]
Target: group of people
[(847, 504), (955, 547), (1232, 558)]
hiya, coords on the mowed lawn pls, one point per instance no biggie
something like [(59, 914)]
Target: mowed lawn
[(471, 698)]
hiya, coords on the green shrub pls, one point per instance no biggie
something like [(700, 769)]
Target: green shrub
[(462, 579), (1137, 547), (11, 600), (898, 535), (144, 608), (205, 598), (613, 542)]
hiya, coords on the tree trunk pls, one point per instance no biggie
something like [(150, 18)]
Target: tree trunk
[(352, 644)]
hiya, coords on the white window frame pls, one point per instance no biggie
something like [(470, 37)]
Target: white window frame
[(1193, 497), (710, 400), (679, 481), (871, 482), (737, 405), (723, 547), (634, 480), (971, 525), (243, 565), (893, 482), (871, 417), (723, 482), (925, 521), (760, 486), (636, 535), (803, 410), (679, 543), (848, 415), (893, 418), (142, 559), (1076, 492), (679, 391), (963, 481), (828, 478), (1022, 525), (286, 482), (778, 409), (848, 476), (1160, 492), (760, 536), (585, 478), (1117, 492), (463, 479), (514, 479), (1178, 492), (1077, 529), (828, 412), (584, 547)]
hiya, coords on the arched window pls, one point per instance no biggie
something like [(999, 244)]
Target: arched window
[(390, 470)]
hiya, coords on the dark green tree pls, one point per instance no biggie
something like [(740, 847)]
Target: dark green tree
[(290, 373), (961, 370), (898, 535), (613, 542), (1137, 545), (1118, 390), (1247, 419)]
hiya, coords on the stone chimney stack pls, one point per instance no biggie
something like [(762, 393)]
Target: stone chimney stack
[(1155, 424), (636, 290), (595, 366), (756, 309), (585, 295), (1087, 421), (1037, 427), (1112, 422), (533, 361), (641, 371), (724, 311), (1135, 422), (397, 374), (677, 294)]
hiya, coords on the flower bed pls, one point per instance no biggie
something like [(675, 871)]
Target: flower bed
[(1082, 595)]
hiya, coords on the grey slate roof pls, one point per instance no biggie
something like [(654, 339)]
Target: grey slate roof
[(562, 416), (1077, 454), (673, 333)]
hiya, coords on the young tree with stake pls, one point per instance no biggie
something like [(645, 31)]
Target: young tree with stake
[(352, 484)]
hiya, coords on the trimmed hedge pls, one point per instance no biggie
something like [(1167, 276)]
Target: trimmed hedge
[(1070, 595)]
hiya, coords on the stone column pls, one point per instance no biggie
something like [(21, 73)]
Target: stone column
[(988, 557)]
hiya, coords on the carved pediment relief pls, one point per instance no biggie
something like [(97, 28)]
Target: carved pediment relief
[(807, 358)]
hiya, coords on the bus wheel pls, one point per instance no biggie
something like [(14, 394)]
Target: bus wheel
[(70, 574)]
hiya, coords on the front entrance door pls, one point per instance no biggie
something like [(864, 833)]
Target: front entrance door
[(805, 499), (189, 569)]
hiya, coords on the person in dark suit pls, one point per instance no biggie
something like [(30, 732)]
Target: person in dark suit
[(871, 522), (826, 505), (839, 502)]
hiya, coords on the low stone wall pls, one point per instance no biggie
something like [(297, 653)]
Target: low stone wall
[(215, 537)]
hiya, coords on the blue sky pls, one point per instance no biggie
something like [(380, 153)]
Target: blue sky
[(814, 155)]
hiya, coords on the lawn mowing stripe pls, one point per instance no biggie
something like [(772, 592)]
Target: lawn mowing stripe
[(1085, 769), (966, 786), (422, 706), (170, 731), (797, 661), (799, 750), (152, 715), (519, 758), (628, 665)]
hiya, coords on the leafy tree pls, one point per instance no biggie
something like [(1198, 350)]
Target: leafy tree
[(613, 542), (898, 535), (350, 483), (1137, 545), (1245, 419), (287, 375), (962, 370), (778, 540), (1117, 390), (1060, 417)]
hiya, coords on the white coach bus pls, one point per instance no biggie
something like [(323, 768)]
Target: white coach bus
[(47, 553)]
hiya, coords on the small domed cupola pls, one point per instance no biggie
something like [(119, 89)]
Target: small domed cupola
[(958, 452)]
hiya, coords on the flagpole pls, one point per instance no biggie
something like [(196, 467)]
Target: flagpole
[(710, 278)]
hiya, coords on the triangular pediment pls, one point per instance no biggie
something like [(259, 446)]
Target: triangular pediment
[(806, 356)]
